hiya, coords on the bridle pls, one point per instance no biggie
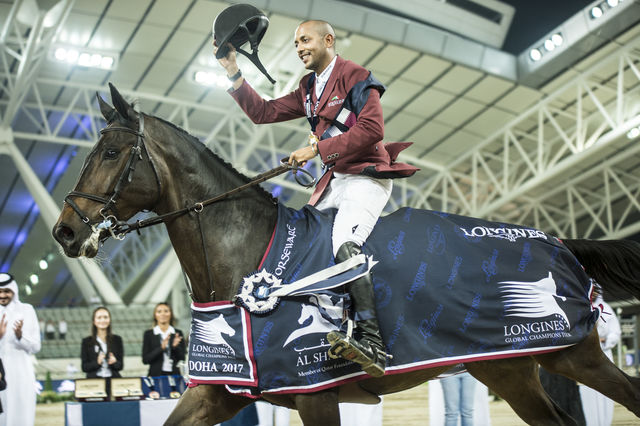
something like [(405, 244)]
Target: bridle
[(118, 229), (110, 221)]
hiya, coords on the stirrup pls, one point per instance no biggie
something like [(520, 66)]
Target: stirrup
[(371, 360)]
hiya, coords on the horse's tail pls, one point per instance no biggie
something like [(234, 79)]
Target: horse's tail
[(614, 264)]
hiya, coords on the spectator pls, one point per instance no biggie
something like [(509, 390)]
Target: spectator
[(598, 409), (62, 329), (102, 353), (163, 346), (459, 394), (19, 340), (50, 330)]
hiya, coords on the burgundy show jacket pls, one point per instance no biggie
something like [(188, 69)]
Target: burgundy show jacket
[(352, 152)]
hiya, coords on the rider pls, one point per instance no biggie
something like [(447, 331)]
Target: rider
[(359, 167)]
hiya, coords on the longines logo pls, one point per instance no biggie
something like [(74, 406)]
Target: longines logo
[(510, 234), (535, 300)]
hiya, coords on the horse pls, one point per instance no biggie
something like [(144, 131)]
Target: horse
[(143, 162)]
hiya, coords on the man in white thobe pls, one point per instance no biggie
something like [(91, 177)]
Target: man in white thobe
[(19, 340)]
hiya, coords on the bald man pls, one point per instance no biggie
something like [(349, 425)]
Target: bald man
[(341, 101)]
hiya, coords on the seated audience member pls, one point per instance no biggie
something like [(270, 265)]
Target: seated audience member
[(102, 352), (163, 346)]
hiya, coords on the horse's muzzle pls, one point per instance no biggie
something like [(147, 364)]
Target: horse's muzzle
[(66, 237)]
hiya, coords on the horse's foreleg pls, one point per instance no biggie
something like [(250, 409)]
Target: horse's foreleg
[(586, 363), (319, 408), (205, 405), (516, 381)]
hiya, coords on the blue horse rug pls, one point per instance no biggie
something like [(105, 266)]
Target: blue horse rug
[(449, 289)]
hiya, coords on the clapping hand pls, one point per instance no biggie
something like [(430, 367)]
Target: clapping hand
[(100, 357), (17, 329), (165, 342), (112, 359), (176, 340)]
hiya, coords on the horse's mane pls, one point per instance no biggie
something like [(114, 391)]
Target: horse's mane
[(202, 148)]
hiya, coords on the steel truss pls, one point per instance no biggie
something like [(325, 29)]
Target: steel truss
[(562, 166)]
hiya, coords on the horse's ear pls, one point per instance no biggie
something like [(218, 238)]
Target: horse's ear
[(107, 110), (122, 106)]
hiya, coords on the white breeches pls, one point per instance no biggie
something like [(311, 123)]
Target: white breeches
[(359, 200)]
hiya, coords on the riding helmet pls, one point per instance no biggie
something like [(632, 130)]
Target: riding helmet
[(238, 24)]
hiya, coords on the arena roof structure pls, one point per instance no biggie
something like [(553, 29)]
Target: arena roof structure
[(521, 113)]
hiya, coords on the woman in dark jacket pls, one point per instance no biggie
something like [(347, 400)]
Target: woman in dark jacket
[(163, 346), (102, 353)]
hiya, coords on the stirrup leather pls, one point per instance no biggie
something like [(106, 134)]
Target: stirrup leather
[(370, 359)]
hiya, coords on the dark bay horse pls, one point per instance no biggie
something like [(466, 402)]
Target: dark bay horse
[(142, 162)]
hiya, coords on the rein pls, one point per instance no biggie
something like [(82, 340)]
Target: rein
[(124, 228)]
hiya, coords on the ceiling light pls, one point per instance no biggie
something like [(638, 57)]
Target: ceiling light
[(43, 264), (27, 289), (596, 12), (535, 54), (106, 62), (84, 58), (33, 279), (557, 39), (72, 56), (549, 45), (208, 78), (612, 3), (60, 54), (633, 133)]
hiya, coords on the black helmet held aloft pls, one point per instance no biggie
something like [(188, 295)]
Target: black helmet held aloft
[(238, 24)]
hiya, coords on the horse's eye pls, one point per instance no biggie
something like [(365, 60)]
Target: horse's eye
[(111, 153)]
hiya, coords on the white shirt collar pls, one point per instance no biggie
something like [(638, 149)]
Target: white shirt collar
[(157, 330), (321, 80)]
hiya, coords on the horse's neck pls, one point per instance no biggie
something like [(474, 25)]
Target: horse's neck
[(236, 231)]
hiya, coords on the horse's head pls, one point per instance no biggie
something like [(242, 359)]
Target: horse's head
[(117, 181)]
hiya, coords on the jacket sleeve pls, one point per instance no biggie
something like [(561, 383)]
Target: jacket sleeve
[(30, 341), (118, 352), (361, 138), (178, 353), (150, 352), (262, 111), (89, 356)]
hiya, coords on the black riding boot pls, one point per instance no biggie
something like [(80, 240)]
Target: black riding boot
[(369, 350)]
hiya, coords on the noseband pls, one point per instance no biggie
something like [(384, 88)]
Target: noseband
[(110, 221)]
